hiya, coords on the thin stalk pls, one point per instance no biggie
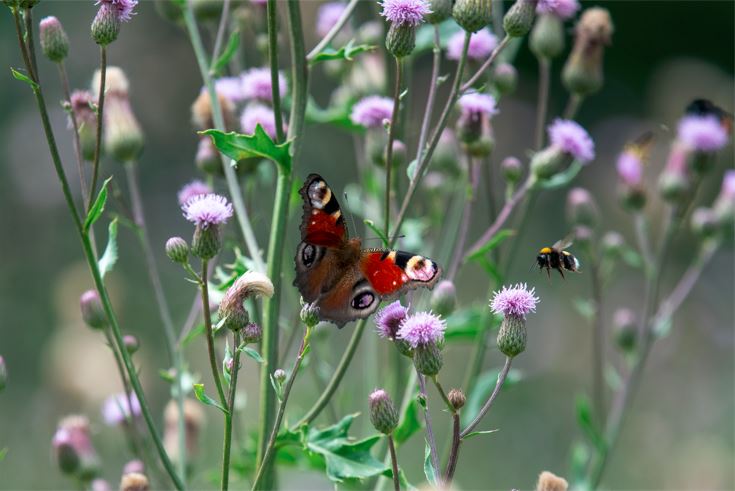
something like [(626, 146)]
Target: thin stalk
[(230, 414), (391, 138), (24, 51), (454, 451), (221, 29), (433, 454), (573, 106), (346, 13), (204, 288), (544, 70), (486, 407), (100, 115), (433, 86), (473, 169), (598, 343), (487, 64), (75, 127), (442, 393), (270, 447), (272, 21), (28, 18), (641, 233), (339, 372), (394, 463)]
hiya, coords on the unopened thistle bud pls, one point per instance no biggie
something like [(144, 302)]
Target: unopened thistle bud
[(625, 325), (514, 303), (547, 37), (472, 15), (54, 42), (208, 212), (505, 78), (82, 103), (582, 74), (704, 223), (93, 313), (383, 413), (512, 169), (630, 173), (72, 444), (519, 18), (309, 314), (177, 250), (279, 376), (428, 359), (134, 481), (440, 10), (131, 343), (193, 421), (568, 142), (581, 208), (3, 374), (444, 298), (232, 308), (123, 135), (456, 398), (252, 333), (548, 481), (404, 16), (473, 126)]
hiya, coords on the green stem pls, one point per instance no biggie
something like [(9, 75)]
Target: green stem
[(204, 287), (394, 464), (544, 68), (221, 29), (487, 63), (100, 115), (272, 20), (230, 414), (575, 101), (488, 404), (435, 67), (454, 452), (443, 394), (75, 129), (391, 138)]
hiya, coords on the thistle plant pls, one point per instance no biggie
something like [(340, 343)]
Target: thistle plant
[(426, 92)]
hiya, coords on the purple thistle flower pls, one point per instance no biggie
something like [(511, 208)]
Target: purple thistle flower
[(515, 301), (630, 168), (389, 318), (256, 84), (482, 44), (475, 104), (229, 88), (116, 410), (405, 12), (327, 16), (564, 9), (371, 111), (194, 188), (571, 138), (702, 133), (207, 209), (123, 9), (422, 328), (728, 185), (255, 114)]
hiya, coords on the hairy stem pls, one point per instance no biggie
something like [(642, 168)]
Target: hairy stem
[(389, 147), (394, 464), (98, 138), (486, 407), (227, 444), (454, 451)]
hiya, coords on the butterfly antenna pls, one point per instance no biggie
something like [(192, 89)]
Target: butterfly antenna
[(352, 216)]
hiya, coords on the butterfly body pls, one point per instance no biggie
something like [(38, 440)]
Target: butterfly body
[(335, 273)]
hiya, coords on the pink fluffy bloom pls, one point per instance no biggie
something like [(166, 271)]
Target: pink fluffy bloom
[(571, 138), (255, 114), (482, 44), (229, 88), (728, 185), (205, 210), (116, 410), (123, 9), (564, 9), (371, 111), (194, 188), (256, 84), (389, 318), (630, 168), (702, 133), (515, 301), (476, 104), (422, 328), (327, 16), (405, 12)]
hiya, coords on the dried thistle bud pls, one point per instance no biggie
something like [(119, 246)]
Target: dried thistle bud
[(54, 42), (625, 326), (123, 134), (201, 112), (582, 209), (512, 169), (472, 15), (505, 78), (582, 74), (383, 413), (519, 18), (547, 37), (177, 250), (82, 103), (456, 398), (93, 313), (252, 333), (548, 481), (444, 298), (232, 308), (428, 359), (134, 481)]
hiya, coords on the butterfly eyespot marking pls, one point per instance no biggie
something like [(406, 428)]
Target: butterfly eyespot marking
[(421, 269), (308, 253), (363, 300)]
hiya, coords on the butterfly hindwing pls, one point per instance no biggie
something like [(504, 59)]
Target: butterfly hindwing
[(322, 222), (390, 272)]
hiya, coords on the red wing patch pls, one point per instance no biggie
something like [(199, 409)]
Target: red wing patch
[(322, 223), (391, 271)]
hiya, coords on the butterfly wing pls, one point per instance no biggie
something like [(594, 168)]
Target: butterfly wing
[(322, 222)]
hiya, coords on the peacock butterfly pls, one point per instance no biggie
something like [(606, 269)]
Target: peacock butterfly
[(334, 272)]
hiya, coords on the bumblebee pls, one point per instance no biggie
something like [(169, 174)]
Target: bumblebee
[(704, 107), (556, 257)]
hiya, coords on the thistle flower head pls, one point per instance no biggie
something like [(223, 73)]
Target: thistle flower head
[(564, 9), (482, 43), (422, 328), (116, 410), (327, 16), (476, 104), (630, 168), (194, 188), (405, 12), (371, 111), (230, 88), (258, 114), (571, 138), (516, 301), (205, 210), (389, 318), (123, 9), (256, 84), (702, 133)]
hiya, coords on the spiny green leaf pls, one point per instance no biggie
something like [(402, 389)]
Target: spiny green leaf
[(238, 146), (475, 433), (377, 231), (429, 470), (205, 399), (109, 257), (563, 178), (95, 212), (346, 52), (409, 424), (232, 44), (491, 244), (587, 423), (24, 78), (251, 353)]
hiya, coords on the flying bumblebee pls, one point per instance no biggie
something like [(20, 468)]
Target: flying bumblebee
[(556, 257), (705, 107)]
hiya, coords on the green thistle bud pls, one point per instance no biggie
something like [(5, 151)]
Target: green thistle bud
[(512, 169), (93, 313), (401, 39), (105, 26), (427, 358), (547, 37), (403, 347), (549, 162), (441, 10), (310, 314), (625, 326), (456, 398), (632, 198), (519, 18), (704, 223), (505, 78), (54, 42), (472, 15), (131, 343), (279, 376), (177, 250), (674, 187), (383, 413), (512, 335), (206, 242), (582, 74), (444, 298), (252, 333)]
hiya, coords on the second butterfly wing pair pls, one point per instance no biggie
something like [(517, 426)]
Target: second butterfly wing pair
[(335, 273)]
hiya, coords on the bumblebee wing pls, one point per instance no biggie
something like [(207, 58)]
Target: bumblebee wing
[(564, 243)]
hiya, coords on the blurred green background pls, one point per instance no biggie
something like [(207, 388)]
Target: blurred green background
[(680, 433)]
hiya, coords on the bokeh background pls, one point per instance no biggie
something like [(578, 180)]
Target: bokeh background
[(680, 433)]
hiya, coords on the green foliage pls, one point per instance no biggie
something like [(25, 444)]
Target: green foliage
[(109, 257), (252, 353), (232, 44), (337, 115), (205, 399), (409, 424), (588, 425), (238, 146), (346, 52), (476, 433), (483, 388), (24, 78), (429, 470), (563, 178), (465, 324), (95, 212)]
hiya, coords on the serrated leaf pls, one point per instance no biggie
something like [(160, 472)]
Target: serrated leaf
[(109, 257), (475, 433), (409, 424), (584, 307), (429, 470), (371, 225), (252, 353), (24, 78), (346, 52), (587, 423), (205, 399), (563, 178), (483, 388), (491, 244), (232, 44), (95, 212), (238, 146)]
